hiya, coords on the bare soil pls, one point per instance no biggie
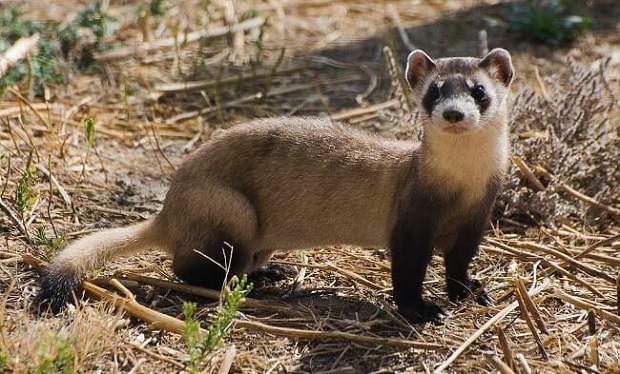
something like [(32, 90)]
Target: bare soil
[(317, 57)]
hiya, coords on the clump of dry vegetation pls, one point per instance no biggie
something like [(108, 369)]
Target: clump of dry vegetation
[(567, 135), (149, 81), (82, 341)]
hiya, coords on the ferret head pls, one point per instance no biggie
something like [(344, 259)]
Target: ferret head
[(461, 95)]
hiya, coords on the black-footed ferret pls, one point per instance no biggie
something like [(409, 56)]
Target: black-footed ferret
[(290, 183)]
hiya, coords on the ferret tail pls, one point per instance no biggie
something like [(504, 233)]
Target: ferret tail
[(64, 274)]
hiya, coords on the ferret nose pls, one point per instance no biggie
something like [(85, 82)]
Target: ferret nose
[(453, 116)]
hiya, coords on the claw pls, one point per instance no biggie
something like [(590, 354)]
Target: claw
[(423, 312), (459, 291)]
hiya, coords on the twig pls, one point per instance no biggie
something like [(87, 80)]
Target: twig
[(227, 360), (519, 253), (7, 112), (530, 324), (18, 51), (569, 260), (594, 246), (301, 274), (393, 13), (372, 85), (492, 321), (137, 367), (400, 87), (355, 277), (362, 111), (32, 107), (270, 306), (63, 193), (529, 304), (119, 286), (527, 173), (336, 335), (505, 345), (254, 97), (379, 264), (18, 223), (498, 364), (161, 151), (155, 319), (157, 356), (589, 200), (208, 84), (602, 65), (483, 42), (525, 367), (565, 187), (170, 42), (541, 84), (582, 304)]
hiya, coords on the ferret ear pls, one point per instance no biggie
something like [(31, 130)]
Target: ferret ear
[(418, 67), (499, 64)]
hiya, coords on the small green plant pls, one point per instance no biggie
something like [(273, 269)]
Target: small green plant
[(14, 28), (198, 345), (99, 21), (25, 194), (43, 68), (4, 360), (89, 134), (548, 22), (258, 60), (158, 8), (55, 356), (89, 131), (51, 245), (41, 235)]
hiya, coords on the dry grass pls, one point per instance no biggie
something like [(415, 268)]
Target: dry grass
[(551, 259)]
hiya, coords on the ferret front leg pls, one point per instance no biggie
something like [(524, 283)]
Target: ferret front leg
[(457, 260), (412, 248)]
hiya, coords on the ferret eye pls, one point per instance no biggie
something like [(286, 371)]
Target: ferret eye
[(478, 93), (433, 93)]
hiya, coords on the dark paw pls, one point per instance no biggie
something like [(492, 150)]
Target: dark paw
[(423, 312), (272, 273), (459, 291)]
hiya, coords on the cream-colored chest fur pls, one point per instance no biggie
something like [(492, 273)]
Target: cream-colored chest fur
[(466, 163)]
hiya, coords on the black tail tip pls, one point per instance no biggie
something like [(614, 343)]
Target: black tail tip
[(56, 289)]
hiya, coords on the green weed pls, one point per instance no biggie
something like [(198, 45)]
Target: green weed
[(4, 359), (55, 355), (51, 245), (158, 8), (258, 59), (41, 235), (43, 68), (25, 194), (89, 131), (197, 345), (548, 22), (99, 21), (89, 134)]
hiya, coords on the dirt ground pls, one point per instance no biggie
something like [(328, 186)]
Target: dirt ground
[(154, 98)]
